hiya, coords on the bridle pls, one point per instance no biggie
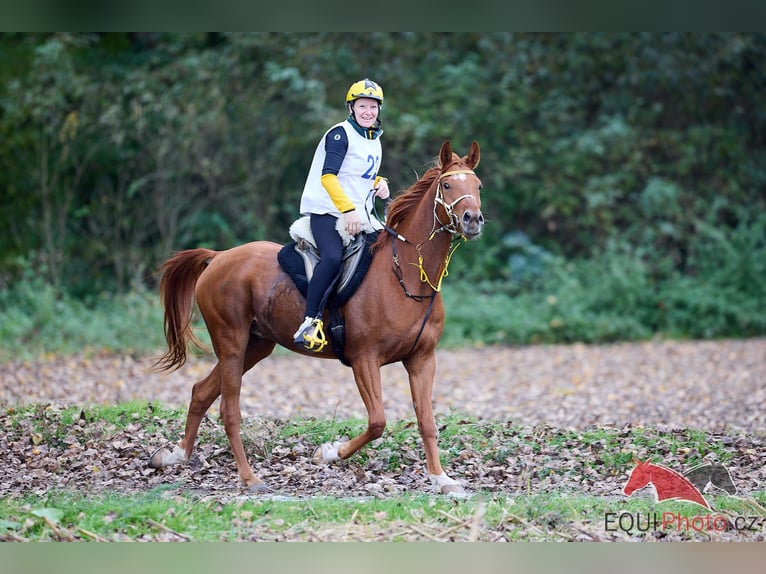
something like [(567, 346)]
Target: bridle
[(448, 207), (438, 226)]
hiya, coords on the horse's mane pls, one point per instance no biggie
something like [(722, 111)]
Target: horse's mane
[(404, 203)]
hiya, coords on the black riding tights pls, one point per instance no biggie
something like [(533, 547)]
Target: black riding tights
[(330, 247)]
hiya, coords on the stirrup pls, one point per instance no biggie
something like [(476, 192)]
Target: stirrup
[(313, 337)]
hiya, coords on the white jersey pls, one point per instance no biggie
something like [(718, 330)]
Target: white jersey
[(356, 176)]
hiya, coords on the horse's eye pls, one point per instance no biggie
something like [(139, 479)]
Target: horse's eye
[(446, 185), (481, 186)]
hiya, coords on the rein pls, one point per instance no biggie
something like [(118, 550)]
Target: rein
[(451, 227)]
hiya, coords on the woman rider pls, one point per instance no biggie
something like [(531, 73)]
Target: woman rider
[(342, 174)]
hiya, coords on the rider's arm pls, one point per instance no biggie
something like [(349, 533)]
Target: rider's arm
[(336, 145)]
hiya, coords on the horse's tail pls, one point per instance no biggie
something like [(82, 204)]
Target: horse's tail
[(179, 277)]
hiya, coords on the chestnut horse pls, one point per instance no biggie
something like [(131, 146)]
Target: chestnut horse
[(250, 305)]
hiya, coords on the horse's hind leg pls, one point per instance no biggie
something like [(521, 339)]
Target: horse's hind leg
[(421, 370), (203, 394)]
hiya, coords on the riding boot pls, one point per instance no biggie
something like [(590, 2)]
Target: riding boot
[(310, 335)]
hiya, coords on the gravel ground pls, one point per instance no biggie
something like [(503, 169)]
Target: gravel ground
[(708, 385)]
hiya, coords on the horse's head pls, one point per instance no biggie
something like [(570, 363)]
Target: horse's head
[(459, 192), (639, 477), (720, 477)]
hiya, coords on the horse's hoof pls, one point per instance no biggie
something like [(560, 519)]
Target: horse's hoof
[(163, 457), (258, 488), (155, 461), (452, 489), (328, 452), (443, 484)]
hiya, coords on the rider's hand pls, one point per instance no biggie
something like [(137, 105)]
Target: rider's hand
[(382, 190), (353, 222)]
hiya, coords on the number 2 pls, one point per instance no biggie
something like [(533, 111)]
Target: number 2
[(372, 171)]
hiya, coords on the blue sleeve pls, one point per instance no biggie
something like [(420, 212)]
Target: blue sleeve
[(335, 146)]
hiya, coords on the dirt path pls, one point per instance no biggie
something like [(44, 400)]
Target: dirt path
[(705, 385)]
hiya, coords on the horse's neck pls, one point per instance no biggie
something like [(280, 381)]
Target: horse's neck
[(417, 229)]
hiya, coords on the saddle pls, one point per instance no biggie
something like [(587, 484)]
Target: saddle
[(353, 254), (299, 259)]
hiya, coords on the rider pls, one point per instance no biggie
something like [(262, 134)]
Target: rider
[(342, 173)]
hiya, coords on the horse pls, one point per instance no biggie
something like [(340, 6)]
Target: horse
[(668, 484), (711, 473), (250, 305)]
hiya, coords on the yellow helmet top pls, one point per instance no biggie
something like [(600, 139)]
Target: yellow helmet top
[(364, 89)]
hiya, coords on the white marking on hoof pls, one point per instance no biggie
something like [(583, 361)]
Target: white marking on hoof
[(328, 452), (443, 484), (163, 457)]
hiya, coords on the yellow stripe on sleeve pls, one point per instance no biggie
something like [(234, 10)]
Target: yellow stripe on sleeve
[(337, 195)]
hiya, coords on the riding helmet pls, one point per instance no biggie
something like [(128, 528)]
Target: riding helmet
[(364, 89)]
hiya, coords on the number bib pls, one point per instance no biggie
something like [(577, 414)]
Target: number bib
[(356, 176)]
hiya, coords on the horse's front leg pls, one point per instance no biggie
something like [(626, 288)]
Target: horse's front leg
[(367, 376), (421, 369)]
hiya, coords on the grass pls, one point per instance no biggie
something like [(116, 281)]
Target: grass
[(483, 516), (498, 440), (494, 440), (172, 513), (51, 422)]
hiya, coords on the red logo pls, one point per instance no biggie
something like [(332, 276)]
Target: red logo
[(671, 485), (668, 484)]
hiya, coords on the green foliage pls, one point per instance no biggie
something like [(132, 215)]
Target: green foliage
[(53, 423), (621, 171), (624, 293), (36, 319), (534, 297)]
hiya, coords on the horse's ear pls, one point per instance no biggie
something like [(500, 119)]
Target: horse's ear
[(445, 155), (472, 159)]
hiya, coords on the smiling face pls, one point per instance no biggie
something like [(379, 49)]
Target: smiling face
[(366, 111)]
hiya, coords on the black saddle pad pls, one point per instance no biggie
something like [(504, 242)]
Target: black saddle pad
[(294, 266)]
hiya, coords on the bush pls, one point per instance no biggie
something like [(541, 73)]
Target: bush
[(723, 291), (622, 294), (36, 319)]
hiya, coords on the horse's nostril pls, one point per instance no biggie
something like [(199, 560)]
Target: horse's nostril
[(470, 217)]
